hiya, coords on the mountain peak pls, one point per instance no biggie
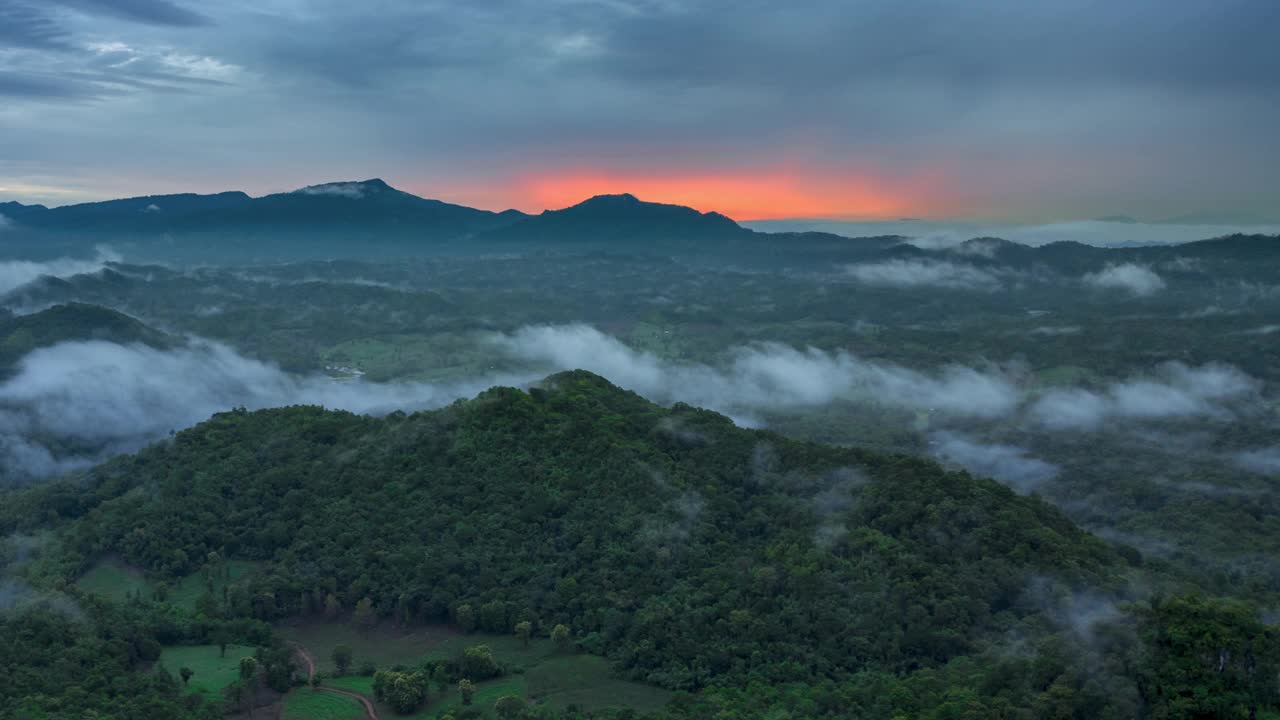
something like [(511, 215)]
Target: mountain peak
[(626, 205), (351, 189), (618, 199)]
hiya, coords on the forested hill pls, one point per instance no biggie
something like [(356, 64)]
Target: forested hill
[(21, 334), (686, 548), (765, 576)]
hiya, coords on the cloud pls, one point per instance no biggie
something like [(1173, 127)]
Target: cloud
[(353, 190), (116, 62), (151, 12), (17, 595), (1135, 279), (1265, 461), (37, 85), (1055, 330), (101, 398), (1022, 121), (1176, 391), (766, 376), (1010, 465), (16, 273), (24, 26), (924, 273)]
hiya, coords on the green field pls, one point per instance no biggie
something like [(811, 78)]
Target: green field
[(487, 693), (508, 649), (542, 675), (437, 357), (585, 681), (213, 672), (308, 704), (114, 580), (356, 683), (384, 646), (191, 587)]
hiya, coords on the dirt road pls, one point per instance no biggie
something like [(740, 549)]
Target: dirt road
[(310, 664)]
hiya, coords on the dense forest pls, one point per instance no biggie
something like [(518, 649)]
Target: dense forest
[(754, 573)]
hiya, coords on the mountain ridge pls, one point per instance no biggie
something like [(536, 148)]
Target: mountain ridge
[(335, 219)]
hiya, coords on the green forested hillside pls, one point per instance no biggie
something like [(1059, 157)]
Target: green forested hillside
[(73, 321), (747, 569)]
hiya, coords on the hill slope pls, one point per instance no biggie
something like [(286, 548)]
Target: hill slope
[(776, 578), (740, 554), (71, 322)]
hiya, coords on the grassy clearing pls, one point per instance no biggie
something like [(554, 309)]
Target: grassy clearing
[(487, 693), (213, 672), (191, 587), (385, 645), (354, 683), (308, 704), (584, 680), (114, 580), (436, 357), (507, 649), (541, 674)]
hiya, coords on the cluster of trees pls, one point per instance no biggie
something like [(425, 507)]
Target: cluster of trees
[(61, 661), (404, 691)]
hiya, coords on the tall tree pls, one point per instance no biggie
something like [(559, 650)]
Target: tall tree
[(342, 656), (248, 681), (560, 636), (365, 617)]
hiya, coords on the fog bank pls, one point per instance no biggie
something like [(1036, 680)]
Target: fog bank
[(72, 404), (766, 376), (16, 273)]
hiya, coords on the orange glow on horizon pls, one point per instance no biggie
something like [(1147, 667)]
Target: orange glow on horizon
[(765, 195)]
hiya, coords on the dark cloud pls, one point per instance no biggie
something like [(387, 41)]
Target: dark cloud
[(1028, 111), (24, 26), (41, 86), (962, 46), (152, 12)]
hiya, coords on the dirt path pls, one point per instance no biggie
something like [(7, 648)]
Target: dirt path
[(310, 662)]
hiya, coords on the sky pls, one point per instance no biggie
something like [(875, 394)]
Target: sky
[(875, 110)]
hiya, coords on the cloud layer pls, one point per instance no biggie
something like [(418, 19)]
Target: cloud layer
[(769, 376), (924, 273), (16, 273), (1265, 461), (766, 376), (1129, 277), (1009, 464), (935, 235), (72, 404), (99, 398), (1176, 391)]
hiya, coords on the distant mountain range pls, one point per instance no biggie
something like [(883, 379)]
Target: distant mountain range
[(371, 219)]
